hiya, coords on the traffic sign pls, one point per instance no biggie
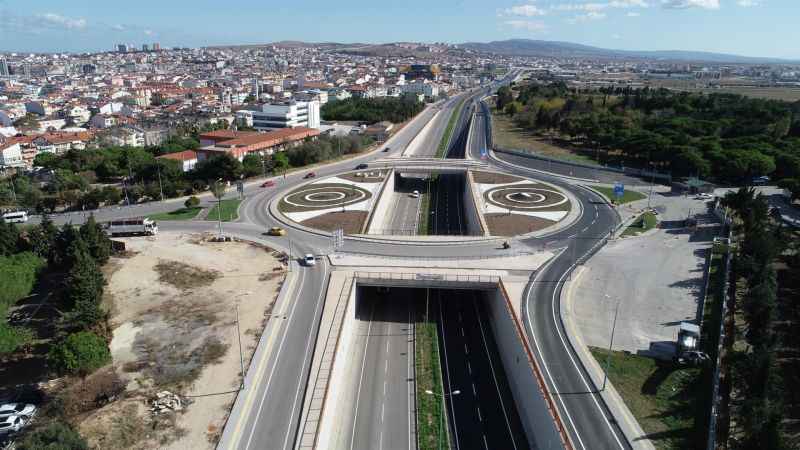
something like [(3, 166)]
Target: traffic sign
[(619, 189)]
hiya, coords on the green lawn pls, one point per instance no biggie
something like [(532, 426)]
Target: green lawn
[(662, 397), (228, 210), (440, 152), (431, 417), (627, 197), (647, 221), (178, 214)]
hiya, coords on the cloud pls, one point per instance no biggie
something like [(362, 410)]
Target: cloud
[(629, 4), (686, 4), (748, 3), (589, 16), (535, 26), (633, 14), (62, 21), (598, 6), (524, 10)]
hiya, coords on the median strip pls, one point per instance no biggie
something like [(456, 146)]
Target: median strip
[(441, 152), (431, 418)]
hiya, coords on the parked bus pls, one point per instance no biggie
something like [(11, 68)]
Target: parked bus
[(15, 217), (132, 227)]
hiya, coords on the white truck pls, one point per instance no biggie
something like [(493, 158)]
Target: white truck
[(132, 227)]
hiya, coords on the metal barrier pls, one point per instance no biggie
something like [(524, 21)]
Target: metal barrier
[(426, 277)]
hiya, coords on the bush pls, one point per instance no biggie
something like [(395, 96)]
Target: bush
[(53, 436), (80, 353), (11, 338), (17, 277), (192, 202)]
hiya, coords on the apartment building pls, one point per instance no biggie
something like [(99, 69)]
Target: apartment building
[(276, 116)]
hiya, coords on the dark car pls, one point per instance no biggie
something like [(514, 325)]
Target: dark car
[(361, 166), (310, 175), (268, 183), (386, 149)]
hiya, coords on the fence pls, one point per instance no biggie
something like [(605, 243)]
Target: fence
[(715, 398)]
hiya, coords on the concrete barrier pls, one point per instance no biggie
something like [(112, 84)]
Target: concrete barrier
[(537, 411), (379, 216), (476, 223)]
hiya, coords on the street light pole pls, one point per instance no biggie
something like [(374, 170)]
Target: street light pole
[(610, 343), (441, 416), (239, 337)]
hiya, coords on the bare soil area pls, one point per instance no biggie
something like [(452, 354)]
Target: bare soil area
[(502, 224), (173, 302), (494, 178), (350, 221)]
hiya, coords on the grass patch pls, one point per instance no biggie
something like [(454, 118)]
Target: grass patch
[(441, 152), (627, 197), (506, 134), (430, 413), (424, 214), (178, 214), (647, 221), (229, 209), (661, 396)]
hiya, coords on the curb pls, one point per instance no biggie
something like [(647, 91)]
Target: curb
[(613, 401)]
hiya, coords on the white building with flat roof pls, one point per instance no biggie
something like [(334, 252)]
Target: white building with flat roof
[(281, 115)]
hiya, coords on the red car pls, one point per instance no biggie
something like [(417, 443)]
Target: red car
[(310, 175), (268, 183)]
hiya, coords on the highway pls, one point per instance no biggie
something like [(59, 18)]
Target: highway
[(274, 400), (384, 408)]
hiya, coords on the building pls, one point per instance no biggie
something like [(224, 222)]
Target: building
[(428, 89), (156, 46), (187, 158), (126, 136), (239, 144), (4, 72), (11, 155), (281, 115)]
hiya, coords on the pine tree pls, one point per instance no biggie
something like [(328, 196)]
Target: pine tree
[(9, 239), (97, 242), (84, 290)]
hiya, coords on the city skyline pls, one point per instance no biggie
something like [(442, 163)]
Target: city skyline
[(742, 27)]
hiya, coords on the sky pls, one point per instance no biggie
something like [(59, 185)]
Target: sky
[(745, 27)]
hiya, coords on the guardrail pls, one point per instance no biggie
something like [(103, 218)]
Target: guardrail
[(440, 258), (418, 276)]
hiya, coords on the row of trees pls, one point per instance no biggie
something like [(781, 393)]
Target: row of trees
[(763, 368), (725, 137), (370, 110)]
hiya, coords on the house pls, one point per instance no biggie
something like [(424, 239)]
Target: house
[(126, 136), (11, 155), (379, 131), (260, 143), (188, 158)]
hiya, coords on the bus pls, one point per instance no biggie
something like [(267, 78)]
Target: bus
[(15, 217), (132, 227)]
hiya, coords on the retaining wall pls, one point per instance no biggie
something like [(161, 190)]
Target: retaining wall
[(379, 216), (536, 410), (476, 226)]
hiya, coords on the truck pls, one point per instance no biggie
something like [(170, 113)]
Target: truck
[(141, 226)]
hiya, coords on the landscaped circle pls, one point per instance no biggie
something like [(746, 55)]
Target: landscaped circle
[(323, 196), (525, 197)]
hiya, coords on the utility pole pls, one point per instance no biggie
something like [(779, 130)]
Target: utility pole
[(610, 343), (239, 337), (160, 186)]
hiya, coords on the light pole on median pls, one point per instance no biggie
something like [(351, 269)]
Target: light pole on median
[(441, 416), (610, 343)]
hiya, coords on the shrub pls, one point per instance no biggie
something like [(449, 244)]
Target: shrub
[(80, 353), (53, 436), (192, 202)]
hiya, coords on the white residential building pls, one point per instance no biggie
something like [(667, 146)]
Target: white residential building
[(11, 155), (282, 115), (428, 89)]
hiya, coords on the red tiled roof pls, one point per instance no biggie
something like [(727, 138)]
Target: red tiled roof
[(271, 138), (186, 155)]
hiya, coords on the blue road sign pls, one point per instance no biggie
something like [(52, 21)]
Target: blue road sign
[(619, 189)]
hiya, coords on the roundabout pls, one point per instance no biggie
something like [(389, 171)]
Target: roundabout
[(324, 196), (527, 197)]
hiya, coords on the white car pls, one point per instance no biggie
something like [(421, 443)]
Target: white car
[(309, 260), (17, 409), (704, 196), (12, 424), (414, 194)]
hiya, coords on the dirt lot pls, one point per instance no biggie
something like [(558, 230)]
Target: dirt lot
[(494, 178), (350, 221), (172, 302), (501, 224)]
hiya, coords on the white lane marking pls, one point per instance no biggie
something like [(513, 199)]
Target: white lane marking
[(466, 350), (386, 367), (485, 443), (494, 376), (474, 392), (409, 375), (361, 378), (309, 352), (447, 371), (383, 410), (384, 387), (277, 358), (462, 331), (387, 346), (480, 417), (469, 368)]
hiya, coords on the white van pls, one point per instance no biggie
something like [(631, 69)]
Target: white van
[(15, 217)]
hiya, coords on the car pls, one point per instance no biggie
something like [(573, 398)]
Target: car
[(268, 183), (12, 424), (387, 149), (276, 231), (310, 175), (703, 196), (414, 194), (758, 181), (361, 166), (17, 409), (309, 260)]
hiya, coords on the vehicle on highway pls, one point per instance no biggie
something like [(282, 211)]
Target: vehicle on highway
[(414, 194), (310, 175), (309, 260), (276, 231), (506, 245), (132, 227), (703, 196), (15, 217), (268, 183), (387, 149), (17, 409), (361, 166), (758, 181), (12, 424)]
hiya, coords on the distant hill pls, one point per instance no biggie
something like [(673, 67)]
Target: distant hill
[(556, 49)]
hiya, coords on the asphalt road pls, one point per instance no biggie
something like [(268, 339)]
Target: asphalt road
[(482, 415), (384, 407)]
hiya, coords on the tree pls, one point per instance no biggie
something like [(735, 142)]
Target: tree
[(42, 239), (53, 436), (191, 202), (280, 161), (504, 97), (80, 353), (97, 242), (84, 289), (252, 165), (224, 167), (9, 239)]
